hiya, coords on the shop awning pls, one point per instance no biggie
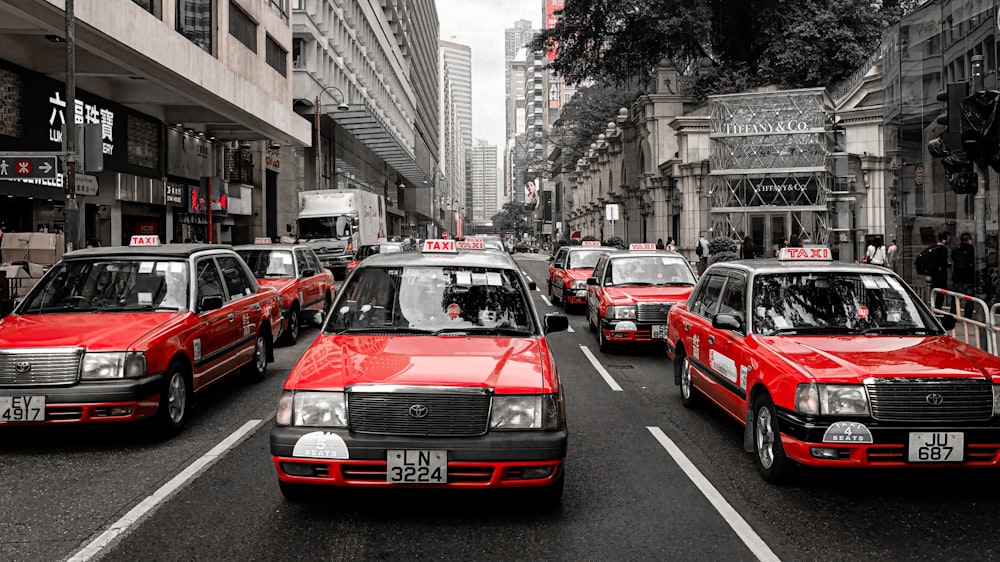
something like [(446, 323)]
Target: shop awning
[(365, 126)]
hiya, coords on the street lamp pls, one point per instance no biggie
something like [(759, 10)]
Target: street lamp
[(342, 106)]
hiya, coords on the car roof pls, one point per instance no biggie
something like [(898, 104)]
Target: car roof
[(591, 248), (464, 258), (646, 253), (765, 266), (177, 251), (274, 246)]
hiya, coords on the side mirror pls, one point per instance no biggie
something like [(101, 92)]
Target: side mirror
[(308, 273), (532, 286), (947, 321), (726, 322), (552, 258), (212, 302), (288, 228), (593, 281), (555, 322)]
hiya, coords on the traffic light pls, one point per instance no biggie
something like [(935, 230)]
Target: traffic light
[(952, 97)]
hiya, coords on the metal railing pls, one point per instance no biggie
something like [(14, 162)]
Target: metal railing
[(975, 321)]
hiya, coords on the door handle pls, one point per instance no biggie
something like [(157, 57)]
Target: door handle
[(257, 306), (231, 316), (711, 339), (687, 327)]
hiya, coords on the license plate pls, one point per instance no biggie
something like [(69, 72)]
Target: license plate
[(937, 447), (407, 466), (659, 331), (22, 409)]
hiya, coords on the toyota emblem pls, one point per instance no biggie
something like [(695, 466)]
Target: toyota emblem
[(418, 411), (935, 399), (22, 366)]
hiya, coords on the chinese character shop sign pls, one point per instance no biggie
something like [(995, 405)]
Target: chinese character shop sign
[(83, 112)]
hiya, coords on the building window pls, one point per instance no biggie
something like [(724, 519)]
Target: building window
[(298, 4), (280, 7), (194, 21), (154, 7), (298, 53), (276, 56), (242, 27)]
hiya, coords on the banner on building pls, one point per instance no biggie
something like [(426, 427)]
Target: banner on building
[(531, 194)]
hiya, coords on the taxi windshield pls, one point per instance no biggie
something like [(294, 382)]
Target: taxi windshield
[(650, 270), (584, 259), (110, 285), (435, 300), (269, 263), (836, 303)]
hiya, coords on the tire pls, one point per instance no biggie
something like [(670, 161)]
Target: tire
[(769, 454), (602, 342), (590, 323), (296, 493), (291, 334), (550, 497), (691, 397), (554, 299), (256, 369), (175, 401)]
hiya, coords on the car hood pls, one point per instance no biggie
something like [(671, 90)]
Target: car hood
[(626, 294), (96, 332), (579, 273), (508, 365), (277, 283), (855, 358)]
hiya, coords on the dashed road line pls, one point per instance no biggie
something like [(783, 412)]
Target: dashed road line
[(123, 526), (546, 299), (743, 529), (600, 369)]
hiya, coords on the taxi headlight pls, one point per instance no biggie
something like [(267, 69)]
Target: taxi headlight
[(831, 399), (319, 409), (113, 365), (578, 285), (996, 400), (542, 411), (284, 415), (621, 313)]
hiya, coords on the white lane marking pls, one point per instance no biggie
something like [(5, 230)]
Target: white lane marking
[(569, 328), (147, 506), (600, 369), (743, 529), (546, 299)]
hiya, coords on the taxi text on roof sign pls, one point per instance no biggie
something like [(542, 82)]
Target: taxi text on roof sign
[(262, 240), (642, 247), (439, 246), (471, 244), (805, 254), (144, 240), (590, 243)]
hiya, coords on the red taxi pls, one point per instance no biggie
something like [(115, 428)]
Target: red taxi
[(432, 370), (568, 272), (305, 286), (833, 364), (125, 333), (630, 294), (382, 247)]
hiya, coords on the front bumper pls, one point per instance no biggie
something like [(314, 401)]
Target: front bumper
[(500, 459), (336, 263), (576, 296), (890, 446), (643, 332), (110, 401)]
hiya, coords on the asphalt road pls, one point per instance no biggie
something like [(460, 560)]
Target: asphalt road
[(647, 480)]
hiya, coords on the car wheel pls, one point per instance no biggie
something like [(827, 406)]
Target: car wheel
[(175, 401), (256, 369), (551, 496), (296, 493), (603, 342), (291, 334), (590, 322), (769, 454), (690, 396), (552, 296)]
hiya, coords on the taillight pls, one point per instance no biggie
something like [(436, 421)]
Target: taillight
[(350, 246)]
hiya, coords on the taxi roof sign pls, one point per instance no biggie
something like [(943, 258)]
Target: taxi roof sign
[(815, 253), (590, 243), (262, 240), (642, 247), (439, 246), (470, 244), (144, 240)]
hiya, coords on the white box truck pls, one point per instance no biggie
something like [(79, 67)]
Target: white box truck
[(336, 222)]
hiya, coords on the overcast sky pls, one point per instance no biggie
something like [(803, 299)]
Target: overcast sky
[(480, 25)]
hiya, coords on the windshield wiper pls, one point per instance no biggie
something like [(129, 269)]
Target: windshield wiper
[(905, 330), (635, 284), (675, 284), (814, 330), (495, 330), (133, 307)]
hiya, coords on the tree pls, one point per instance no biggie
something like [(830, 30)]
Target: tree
[(791, 44), (586, 114), (511, 218)]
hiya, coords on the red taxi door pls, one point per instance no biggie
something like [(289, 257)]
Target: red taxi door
[(699, 336), (726, 346), (215, 332), (595, 293), (554, 269), (244, 312), (308, 285)]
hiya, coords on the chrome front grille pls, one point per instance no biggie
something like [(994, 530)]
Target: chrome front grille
[(40, 367), (440, 412), (930, 400), (652, 312)]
